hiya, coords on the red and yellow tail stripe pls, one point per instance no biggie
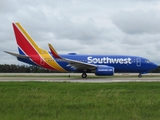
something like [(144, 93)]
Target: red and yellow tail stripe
[(30, 48)]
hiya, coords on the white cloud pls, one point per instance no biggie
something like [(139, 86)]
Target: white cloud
[(137, 22), (102, 27)]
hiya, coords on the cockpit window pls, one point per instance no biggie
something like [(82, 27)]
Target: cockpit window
[(147, 61)]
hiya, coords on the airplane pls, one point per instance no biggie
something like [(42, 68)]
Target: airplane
[(100, 65)]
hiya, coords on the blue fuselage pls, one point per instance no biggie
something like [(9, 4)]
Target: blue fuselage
[(120, 63)]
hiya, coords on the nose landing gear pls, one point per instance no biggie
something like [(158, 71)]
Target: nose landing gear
[(140, 75)]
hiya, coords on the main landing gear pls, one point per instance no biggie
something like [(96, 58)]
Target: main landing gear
[(140, 75), (84, 75)]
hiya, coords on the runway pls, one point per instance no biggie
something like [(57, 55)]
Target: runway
[(48, 78), (96, 80)]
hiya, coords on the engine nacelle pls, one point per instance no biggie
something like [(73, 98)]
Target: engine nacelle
[(104, 71)]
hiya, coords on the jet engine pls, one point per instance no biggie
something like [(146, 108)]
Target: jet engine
[(104, 70)]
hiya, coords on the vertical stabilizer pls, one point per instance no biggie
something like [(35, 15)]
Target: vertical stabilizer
[(26, 44), (28, 47)]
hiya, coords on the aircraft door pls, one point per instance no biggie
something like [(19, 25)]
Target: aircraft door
[(138, 61)]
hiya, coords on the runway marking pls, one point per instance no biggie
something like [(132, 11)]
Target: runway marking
[(88, 80)]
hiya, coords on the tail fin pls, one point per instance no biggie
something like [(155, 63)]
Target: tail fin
[(26, 44), (29, 49)]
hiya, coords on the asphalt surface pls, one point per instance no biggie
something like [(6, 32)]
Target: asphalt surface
[(88, 80), (47, 78)]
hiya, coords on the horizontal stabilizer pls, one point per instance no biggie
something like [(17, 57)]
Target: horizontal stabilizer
[(17, 55)]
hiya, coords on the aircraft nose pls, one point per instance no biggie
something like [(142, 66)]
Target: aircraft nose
[(154, 66)]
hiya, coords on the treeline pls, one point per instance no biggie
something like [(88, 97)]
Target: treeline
[(5, 68)]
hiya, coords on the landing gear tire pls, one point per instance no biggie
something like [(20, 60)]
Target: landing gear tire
[(140, 75), (84, 75)]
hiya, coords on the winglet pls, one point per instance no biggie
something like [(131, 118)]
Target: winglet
[(53, 51)]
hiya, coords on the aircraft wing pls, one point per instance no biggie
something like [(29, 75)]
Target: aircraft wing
[(73, 63), (80, 65), (17, 55)]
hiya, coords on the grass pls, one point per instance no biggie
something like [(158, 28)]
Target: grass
[(77, 101)]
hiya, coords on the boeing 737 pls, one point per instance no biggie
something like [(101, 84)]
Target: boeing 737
[(101, 65)]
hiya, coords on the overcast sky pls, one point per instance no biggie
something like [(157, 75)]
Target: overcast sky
[(126, 27)]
